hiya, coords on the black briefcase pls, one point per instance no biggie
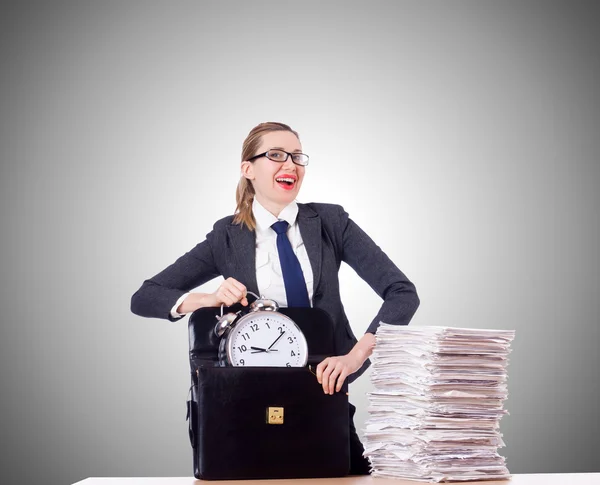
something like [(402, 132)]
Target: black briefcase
[(265, 422)]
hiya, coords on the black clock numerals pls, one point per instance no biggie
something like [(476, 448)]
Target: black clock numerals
[(242, 348), (291, 340), (242, 362), (287, 364), (254, 327), (293, 354), (246, 336)]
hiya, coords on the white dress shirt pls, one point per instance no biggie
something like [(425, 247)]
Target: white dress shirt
[(268, 268)]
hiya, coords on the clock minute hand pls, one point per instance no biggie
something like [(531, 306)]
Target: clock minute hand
[(280, 335)]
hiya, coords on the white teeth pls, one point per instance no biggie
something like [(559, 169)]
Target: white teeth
[(285, 179)]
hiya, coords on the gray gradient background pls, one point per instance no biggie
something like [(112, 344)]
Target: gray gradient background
[(462, 136)]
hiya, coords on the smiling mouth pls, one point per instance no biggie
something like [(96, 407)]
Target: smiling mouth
[(286, 182)]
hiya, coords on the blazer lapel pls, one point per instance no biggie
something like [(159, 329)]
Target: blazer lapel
[(309, 223), (243, 242)]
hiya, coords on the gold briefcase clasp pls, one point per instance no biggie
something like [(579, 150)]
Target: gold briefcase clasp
[(274, 415)]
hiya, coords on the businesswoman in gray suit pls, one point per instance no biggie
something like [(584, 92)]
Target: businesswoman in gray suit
[(289, 252)]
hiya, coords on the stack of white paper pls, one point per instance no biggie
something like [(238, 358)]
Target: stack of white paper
[(437, 402)]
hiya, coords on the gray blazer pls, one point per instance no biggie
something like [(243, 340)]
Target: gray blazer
[(330, 237)]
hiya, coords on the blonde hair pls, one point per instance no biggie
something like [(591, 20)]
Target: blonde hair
[(245, 191)]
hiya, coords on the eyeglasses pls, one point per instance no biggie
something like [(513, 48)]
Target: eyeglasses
[(281, 156)]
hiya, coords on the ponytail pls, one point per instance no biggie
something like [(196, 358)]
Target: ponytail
[(244, 196)]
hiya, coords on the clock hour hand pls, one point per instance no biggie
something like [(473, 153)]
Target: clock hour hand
[(259, 349), (280, 335)]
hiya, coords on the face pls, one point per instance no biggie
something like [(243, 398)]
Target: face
[(266, 175)]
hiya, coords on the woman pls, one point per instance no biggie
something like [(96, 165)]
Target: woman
[(245, 249)]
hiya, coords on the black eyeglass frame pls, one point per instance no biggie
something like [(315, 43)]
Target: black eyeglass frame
[(288, 154)]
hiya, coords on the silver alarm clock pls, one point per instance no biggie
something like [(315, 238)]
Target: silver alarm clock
[(263, 337)]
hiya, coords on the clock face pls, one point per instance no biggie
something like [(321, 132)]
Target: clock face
[(266, 338)]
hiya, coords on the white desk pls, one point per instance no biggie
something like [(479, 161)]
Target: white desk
[(530, 479)]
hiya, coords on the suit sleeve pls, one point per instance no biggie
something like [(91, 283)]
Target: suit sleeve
[(400, 299), (157, 295)]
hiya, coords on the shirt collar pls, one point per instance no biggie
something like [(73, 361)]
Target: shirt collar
[(264, 219)]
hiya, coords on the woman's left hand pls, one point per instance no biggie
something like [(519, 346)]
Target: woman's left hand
[(336, 369), (332, 372)]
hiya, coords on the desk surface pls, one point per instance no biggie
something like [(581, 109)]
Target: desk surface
[(530, 479)]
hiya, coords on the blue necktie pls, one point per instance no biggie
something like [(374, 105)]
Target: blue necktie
[(293, 279)]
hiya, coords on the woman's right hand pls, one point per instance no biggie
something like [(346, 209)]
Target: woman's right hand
[(230, 292)]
